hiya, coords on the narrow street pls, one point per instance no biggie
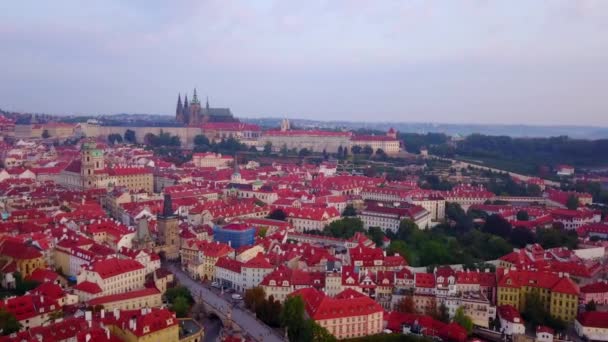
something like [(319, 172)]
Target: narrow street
[(256, 329)]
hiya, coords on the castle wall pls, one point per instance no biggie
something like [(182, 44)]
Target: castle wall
[(186, 134)]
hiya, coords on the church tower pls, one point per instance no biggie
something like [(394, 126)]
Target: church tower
[(195, 109), (186, 110), (236, 174), (92, 162), (168, 230), (285, 126), (142, 239), (179, 111)]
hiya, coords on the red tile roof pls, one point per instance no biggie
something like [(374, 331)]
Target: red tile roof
[(546, 280), (509, 313), (594, 319), (320, 307), (598, 287), (229, 264), (114, 266), (259, 261), (88, 287), (123, 296)]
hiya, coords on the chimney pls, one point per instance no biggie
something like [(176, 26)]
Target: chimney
[(116, 313), (103, 313), (41, 299), (88, 315), (107, 333), (87, 338)]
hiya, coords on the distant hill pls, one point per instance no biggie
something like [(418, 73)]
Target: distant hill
[(579, 132)]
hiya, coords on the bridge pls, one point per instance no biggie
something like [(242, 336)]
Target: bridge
[(232, 317)]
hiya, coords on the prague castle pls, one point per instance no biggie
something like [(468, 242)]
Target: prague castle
[(193, 113)]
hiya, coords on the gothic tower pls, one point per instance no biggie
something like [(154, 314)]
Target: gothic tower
[(186, 110), (168, 230), (92, 162), (142, 239), (195, 109), (179, 111)]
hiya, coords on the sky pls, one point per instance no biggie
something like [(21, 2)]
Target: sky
[(465, 61)]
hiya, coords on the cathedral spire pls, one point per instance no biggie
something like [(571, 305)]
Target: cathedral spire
[(195, 98), (185, 101), (179, 103)]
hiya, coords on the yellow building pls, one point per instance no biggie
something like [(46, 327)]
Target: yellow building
[(349, 315), (134, 300), (207, 254), (558, 293), (109, 277), (144, 325), (152, 325), (16, 256), (91, 172)]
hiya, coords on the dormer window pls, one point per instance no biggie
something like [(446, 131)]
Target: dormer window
[(146, 329)]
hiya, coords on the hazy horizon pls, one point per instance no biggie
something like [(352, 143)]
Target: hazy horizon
[(467, 62)]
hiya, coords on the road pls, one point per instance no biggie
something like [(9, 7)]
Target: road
[(464, 164), (256, 329)]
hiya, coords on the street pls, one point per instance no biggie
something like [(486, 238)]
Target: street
[(256, 329)]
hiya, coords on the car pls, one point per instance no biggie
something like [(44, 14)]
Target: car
[(237, 296), (215, 284)]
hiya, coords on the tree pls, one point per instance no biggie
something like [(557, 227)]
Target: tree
[(253, 298), (406, 305), (179, 291), (591, 306), (377, 235), (180, 306), (8, 322), (269, 312), (443, 313), (277, 214), (262, 232), (304, 152), (316, 332), (356, 149), (349, 210), (463, 320), (201, 140), (344, 228), (23, 285), (551, 238), (535, 312), (407, 227), (572, 202), (284, 150), (114, 138), (292, 316), (267, 148), (454, 212), (368, 150), (523, 215), (497, 225), (522, 236), (380, 152), (340, 149), (534, 190), (130, 136), (46, 134)]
